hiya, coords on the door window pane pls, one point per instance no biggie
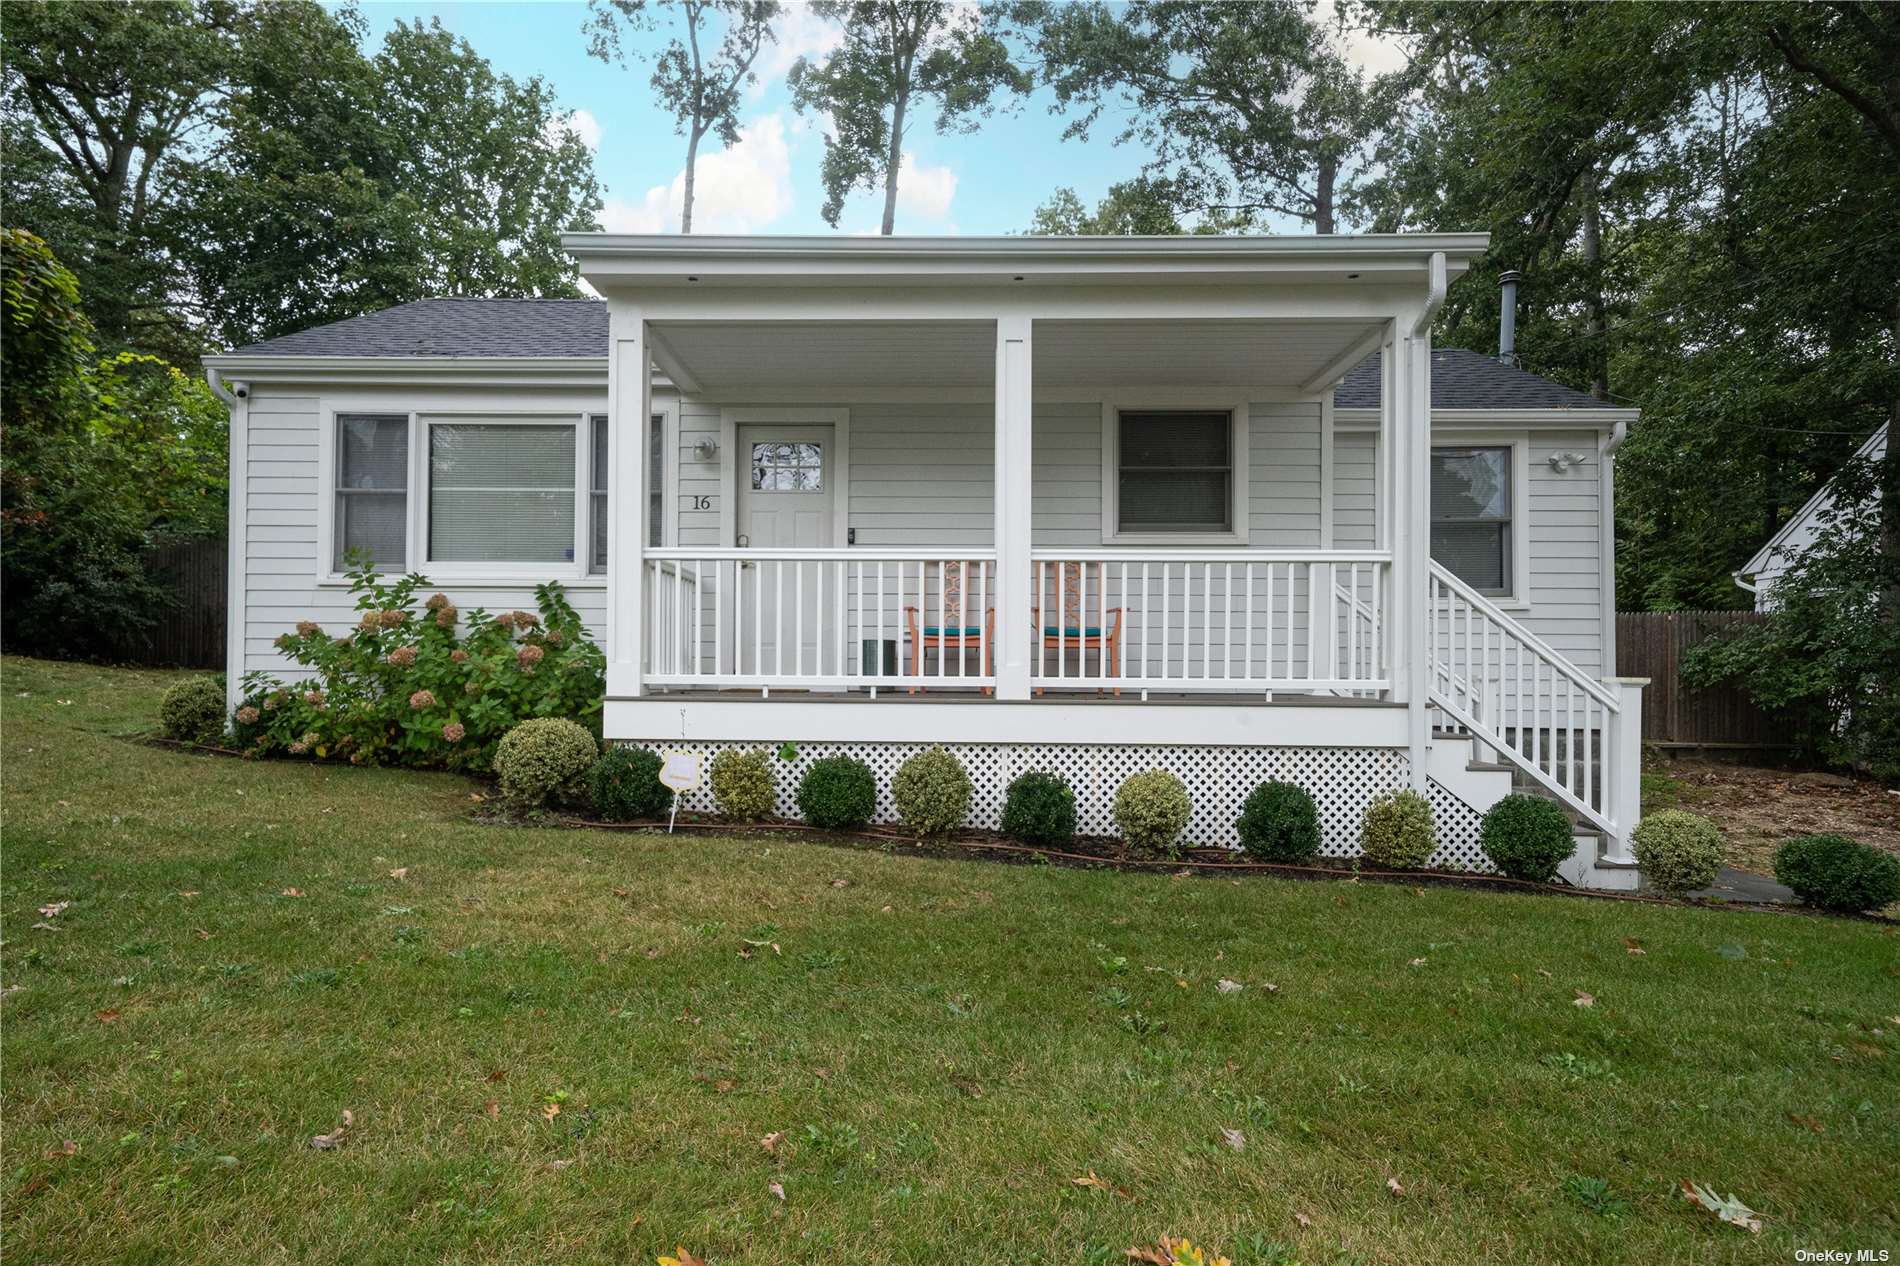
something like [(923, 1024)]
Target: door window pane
[(786, 466)]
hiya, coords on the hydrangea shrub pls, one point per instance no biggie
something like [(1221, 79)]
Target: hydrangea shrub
[(421, 683)]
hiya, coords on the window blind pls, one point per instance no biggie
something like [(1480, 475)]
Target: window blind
[(1175, 471), (501, 492), (372, 489), (1471, 500)]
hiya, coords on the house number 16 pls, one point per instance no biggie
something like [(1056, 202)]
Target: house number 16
[(702, 502)]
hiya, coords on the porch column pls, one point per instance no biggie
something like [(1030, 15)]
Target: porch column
[(1012, 506), (629, 406), (1412, 549)]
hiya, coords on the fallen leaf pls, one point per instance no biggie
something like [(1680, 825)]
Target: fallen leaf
[(291, 892), (771, 1141), (1303, 1220), (556, 1166), (44, 927), (1392, 1185), (1088, 1180), (498, 1075), (53, 910), (777, 1189), (1418, 962), (1634, 947), (67, 1148), (493, 1109), (108, 1015), (968, 1087), (841, 883), (202, 934), (1228, 986), (334, 1139), (1234, 1139), (681, 1258), (1730, 1210), (549, 1111), (1584, 1000), (822, 1074), (188, 892), (1271, 987), (1809, 1121), (401, 872), (1542, 972)]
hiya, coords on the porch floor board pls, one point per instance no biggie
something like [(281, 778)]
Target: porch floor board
[(1129, 698)]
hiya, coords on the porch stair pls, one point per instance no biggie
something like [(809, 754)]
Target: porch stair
[(1514, 715)]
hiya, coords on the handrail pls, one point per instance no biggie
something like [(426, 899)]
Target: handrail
[(861, 553), (1558, 661), (1206, 553)]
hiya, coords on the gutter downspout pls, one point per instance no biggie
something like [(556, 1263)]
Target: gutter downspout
[(215, 379), (1415, 538), (235, 547)]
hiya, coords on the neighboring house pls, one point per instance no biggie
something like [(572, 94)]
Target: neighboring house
[(1091, 505), (1760, 574)]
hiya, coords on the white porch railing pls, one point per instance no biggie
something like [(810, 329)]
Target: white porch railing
[(823, 619), (1233, 620), (1493, 677)]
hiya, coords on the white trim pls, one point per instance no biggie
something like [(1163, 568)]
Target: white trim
[(575, 568), (1810, 507), (1606, 536), (327, 575), (901, 718), (1240, 428), (1327, 458), (839, 420), (1519, 597), (237, 522), (1568, 419), (418, 371)]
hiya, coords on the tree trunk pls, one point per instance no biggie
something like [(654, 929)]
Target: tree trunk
[(692, 163), (1599, 351), (1323, 198), (891, 162)]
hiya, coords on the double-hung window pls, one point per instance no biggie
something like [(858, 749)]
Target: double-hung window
[(502, 491), (1174, 471), (1472, 509), (597, 489), (372, 490)]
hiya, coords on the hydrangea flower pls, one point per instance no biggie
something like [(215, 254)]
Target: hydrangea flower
[(371, 621), (308, 628), (314, 698), (555, 638), (526, 619), (299, 748), (453, 732), (422, 699), (458, 656), (445, 617), (471, 688), (403, 656), (436, 602), (283, 641), (391, 618), (247, 715), (505, 620), (528, 656)]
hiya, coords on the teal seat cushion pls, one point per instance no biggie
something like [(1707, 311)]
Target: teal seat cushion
[(971, 630), (1072, 631)]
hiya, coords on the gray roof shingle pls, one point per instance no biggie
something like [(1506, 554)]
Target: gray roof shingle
[(455, 327), (1468, 380)]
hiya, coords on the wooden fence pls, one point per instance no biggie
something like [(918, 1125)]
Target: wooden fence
[(1651, 644), (191, 634)]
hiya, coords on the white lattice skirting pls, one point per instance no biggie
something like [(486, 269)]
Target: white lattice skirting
[(1341, 780)]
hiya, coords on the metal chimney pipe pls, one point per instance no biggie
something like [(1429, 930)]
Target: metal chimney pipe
[(1507, 316)]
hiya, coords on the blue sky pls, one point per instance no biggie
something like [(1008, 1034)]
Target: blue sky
[(988, 182)]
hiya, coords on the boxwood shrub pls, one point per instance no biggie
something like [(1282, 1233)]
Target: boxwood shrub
[(1836, 873), (192, 711), (1678, 851), (1279, 823), (743, 786), (932, 792), (1152, 809), (544, 761), (838, 794), (1398, 830), (624, 785), (1039, 809), (1527, 837)]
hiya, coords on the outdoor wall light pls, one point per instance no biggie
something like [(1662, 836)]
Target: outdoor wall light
[(1561, 462), (705, 450)]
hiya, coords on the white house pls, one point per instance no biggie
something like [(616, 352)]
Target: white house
[(1760, 574), (1082, 504)]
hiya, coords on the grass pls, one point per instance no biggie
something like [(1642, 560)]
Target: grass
[(946, 1046)]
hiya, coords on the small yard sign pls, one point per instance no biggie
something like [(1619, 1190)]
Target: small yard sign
[(680, 771)]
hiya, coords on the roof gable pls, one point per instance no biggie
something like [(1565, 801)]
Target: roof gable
[(1468, 380)]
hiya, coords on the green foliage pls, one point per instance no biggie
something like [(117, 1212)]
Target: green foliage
[(544, 761), (897, 56), (1678, 851), (424, 684), (1836, 873), (743, 786), (932, 792), (1398, 830), (1152, 809), (192, 711), (838, 794), (1279, 823), (1039, 809), (1527, 837), (624, 784)]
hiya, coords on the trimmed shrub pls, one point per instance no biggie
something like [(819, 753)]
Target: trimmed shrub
[(1398, 830), (1527, 837), (742, 785), (1279, 823), (1039, 809), (1152, 809), (1836, 873), (932, 792), (624, 784), (838, 794), (1678, 851), (544, 760), (193, 710)]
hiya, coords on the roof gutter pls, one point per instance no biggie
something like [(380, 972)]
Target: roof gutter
[(215, 380)]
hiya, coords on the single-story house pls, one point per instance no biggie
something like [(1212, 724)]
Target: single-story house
[(1760, 574), (1090, 505)]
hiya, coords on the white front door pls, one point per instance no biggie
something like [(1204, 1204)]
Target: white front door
[(785, 502)]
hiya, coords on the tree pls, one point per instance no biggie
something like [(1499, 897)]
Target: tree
[(1246, 108), (699, 87), (1143, 206), (896, 56)]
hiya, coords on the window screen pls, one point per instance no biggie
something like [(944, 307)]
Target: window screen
[(501, 492), (372, 488), (1176, 472), (1471, 515)]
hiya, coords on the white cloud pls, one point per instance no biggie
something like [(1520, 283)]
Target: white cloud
[(737, 190), (924, 191), (801, 33), (1375, 54), (581, 123)]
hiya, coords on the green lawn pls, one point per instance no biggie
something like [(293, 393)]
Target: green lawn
[(945, 1046)]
